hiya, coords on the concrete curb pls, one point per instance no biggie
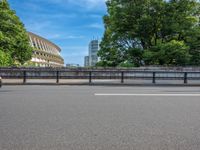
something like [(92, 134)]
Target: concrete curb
[(101, 84)]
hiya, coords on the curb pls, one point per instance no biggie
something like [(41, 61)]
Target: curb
[(99, 84)]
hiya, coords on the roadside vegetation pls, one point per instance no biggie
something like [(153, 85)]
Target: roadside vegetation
[(151, 32), (14, 42)]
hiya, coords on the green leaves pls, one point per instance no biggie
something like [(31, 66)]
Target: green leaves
[(149, 32), (173, 53), (14, 39), (193, 40), (5, 59)]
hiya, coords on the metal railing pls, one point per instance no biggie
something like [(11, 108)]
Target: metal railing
[(122, 75)]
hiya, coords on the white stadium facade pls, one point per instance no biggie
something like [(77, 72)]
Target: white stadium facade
[(45, 53)]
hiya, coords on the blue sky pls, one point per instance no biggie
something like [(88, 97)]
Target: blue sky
[(70, 24)]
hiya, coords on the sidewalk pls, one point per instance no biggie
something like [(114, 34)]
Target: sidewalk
[(112, 82)]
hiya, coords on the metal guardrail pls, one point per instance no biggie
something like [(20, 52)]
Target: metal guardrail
[(91, 75)]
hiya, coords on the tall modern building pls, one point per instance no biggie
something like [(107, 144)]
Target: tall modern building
[(93, 50), (86, 61), (45, 53)]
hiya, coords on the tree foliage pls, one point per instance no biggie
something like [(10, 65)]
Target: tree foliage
[(14, 39), (5, 59), (139, 31), (171, 53)]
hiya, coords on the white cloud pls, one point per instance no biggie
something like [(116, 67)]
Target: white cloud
[(56, 16), (63, 36), (74, 37), (32, 6), (95, 25), (37, 26), (95, 16), (88, 4)]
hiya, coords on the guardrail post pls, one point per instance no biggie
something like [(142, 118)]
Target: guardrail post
[(24, 77), (90, 77), (57, 76), (122, 77), (154, 78), (0, 81), (185, 78)]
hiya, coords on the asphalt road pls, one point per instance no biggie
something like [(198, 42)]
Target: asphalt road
[(94, 118)]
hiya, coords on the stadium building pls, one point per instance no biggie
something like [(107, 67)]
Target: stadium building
[(45, 53)]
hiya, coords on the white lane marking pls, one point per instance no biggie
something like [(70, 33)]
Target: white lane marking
[(117, 94)]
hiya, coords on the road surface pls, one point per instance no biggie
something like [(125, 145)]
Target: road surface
[(99, 118)]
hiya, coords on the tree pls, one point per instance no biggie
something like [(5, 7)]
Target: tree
[(5, 59), (134, 27), (193, 40), (14, 39), (173, 53), (120, 38)]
